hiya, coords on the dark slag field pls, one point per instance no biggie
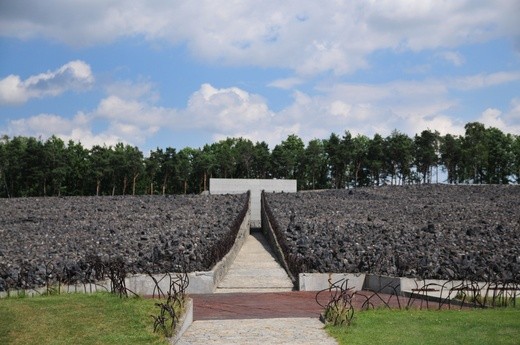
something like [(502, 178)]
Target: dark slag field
[(150, 233), (427, 231)]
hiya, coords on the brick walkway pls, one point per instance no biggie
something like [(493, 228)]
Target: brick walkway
[(255, 305), (288, 304), (271, 315)]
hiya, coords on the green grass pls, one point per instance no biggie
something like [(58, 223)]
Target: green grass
[(78, 319), (478, 326)]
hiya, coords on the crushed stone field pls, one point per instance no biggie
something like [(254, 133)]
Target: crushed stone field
[(425, 231), (152, 234)]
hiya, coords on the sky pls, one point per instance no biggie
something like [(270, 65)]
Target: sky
[(188, 73)]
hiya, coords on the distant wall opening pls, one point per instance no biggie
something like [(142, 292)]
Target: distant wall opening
[(256, 186)]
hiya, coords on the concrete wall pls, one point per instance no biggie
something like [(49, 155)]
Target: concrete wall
[(322, 281), (234, 186), (267, 229)]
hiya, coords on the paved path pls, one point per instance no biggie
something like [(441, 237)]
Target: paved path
[(287, 331), (255, 269), (255, 304)]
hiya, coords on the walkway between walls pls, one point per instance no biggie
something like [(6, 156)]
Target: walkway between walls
[(255, 269), (255, 304)]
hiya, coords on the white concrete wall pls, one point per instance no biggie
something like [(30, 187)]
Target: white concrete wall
[(322, 281), (235, 186)]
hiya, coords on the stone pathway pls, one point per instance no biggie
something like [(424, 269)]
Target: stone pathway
[(287, 331), (255, 269), (255, 304)]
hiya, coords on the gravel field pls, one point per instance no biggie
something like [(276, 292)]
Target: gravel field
[(427, 231), (151, 233)]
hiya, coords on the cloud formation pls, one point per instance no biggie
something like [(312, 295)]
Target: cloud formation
[(308, 37), (75, 75), (131, 115)]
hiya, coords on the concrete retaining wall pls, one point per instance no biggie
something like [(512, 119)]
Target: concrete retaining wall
[(382, 284), (322, 281), (256, 186), (268, 232)]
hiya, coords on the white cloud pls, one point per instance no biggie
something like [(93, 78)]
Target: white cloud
[(410, 106), (514, 113), (226, 110), (485, 80), (128, 89), (12, 90), (507, 122), (492, 118), (75, 75), (133, 121), (306, 36), (286, 84), (41, 125), (78, 129), (452, 57)]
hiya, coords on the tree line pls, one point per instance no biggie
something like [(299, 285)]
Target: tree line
[(32, 167)]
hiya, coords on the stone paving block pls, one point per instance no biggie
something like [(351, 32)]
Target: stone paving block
[(286, 331)]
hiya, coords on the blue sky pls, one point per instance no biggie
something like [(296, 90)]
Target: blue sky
[(186, 73)]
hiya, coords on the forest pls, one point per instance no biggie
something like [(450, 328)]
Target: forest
[(33, 167)]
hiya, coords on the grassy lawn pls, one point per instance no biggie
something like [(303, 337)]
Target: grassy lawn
[(479, 326), (78, 319)]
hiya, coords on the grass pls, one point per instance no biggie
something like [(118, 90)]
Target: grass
[(78, 318), (478, 326)]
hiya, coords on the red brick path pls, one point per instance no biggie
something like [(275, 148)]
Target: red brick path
[(255, 305), (282, 304)]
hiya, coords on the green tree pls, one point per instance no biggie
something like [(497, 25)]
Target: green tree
[(118, 169), (14, 165), (3, 164), (426, 147), (261, 160), (376, 158), (134, 165), (168, 168), (56, 164), (451, 156), (287, 157), (360, 146), (500, 156), (185, 166), (203, 164), (399, 153), (244, 157), (224, 157), (515, 149), (315, 165), (474, 152), (336, 160), (77, 169), (100, 163), (36, 169), (152, 166)]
